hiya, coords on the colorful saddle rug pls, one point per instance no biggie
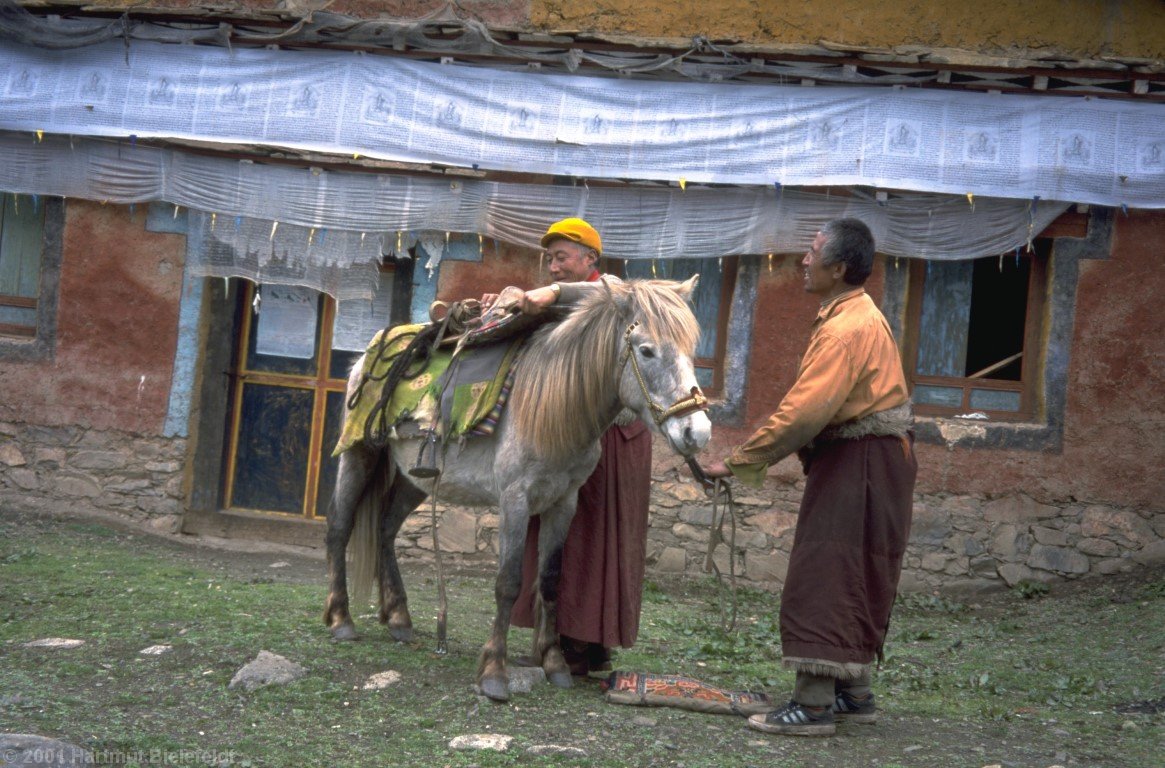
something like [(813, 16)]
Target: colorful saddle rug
[(652, 690), (467, 395)]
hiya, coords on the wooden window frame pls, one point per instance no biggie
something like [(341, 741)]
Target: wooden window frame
[(25, 343), (321, 384), (1032, 375)]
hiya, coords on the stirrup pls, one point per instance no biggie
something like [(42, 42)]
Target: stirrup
[(426, 465)]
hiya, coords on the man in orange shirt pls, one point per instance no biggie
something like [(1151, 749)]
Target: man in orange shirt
[(848, 417)]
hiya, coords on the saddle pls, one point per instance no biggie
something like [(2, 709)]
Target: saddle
[(448, 378)]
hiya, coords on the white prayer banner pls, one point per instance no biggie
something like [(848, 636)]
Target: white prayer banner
[(1072, 149)]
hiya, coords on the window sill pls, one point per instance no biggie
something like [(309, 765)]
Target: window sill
[(983, 433)]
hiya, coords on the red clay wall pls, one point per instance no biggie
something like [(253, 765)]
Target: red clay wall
[(117, 328), (1114, 450)]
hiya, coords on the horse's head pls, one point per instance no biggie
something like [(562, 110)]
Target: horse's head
[(631, 346), (657, 377)]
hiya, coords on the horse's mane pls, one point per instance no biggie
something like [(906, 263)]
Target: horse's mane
[(565, 384)]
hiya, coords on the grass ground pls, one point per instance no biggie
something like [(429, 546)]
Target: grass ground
[(1074, 676)]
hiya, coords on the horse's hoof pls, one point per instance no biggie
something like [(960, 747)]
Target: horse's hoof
[(496, 689), (560, 679), (344, 632), (401, 634)]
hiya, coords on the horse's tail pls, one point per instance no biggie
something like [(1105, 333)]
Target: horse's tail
[(364, 546)]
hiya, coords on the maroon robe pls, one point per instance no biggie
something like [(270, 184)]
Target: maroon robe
[(852, 532), (604, 556)]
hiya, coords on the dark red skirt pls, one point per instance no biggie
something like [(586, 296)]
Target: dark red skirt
[(603, 559), (852, 531)]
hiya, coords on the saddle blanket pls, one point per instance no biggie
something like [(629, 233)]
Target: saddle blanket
[(469, 392)]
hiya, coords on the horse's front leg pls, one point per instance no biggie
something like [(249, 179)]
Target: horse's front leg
[(491, 667), (352, 479), (552, 531), (404, 497)]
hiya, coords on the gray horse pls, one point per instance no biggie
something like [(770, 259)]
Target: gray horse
[(625, 345)]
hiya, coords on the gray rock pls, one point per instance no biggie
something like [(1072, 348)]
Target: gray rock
[(1059, 559), (382, 680), (494, 741), (267, 669), (22, 750), (1014, 573), (523, 679), (556, 749)]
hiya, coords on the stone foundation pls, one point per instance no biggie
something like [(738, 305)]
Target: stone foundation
[(957, 542), (77, 469)]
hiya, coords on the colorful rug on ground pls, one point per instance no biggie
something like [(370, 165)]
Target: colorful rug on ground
[(647, 689), (478, 384)]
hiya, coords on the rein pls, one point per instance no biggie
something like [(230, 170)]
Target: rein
[(695, 401), (720, 492)]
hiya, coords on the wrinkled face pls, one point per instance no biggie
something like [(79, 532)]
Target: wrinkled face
[(668, 378), (820, 278), (570, 262)]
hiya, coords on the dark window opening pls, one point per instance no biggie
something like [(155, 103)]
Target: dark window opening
[(975, 342)]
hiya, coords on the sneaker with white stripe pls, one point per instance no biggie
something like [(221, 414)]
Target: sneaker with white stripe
[(854, 710), (794, 719)]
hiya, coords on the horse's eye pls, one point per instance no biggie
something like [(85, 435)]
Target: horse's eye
[(646, 351)]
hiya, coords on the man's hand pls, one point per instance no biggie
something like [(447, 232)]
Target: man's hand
[(533, 302), (716, 469), (487, 300)]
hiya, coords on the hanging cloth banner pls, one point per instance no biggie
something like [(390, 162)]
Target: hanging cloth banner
[(1074, 149), (299, 216)]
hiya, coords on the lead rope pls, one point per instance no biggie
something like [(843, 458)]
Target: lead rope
[(720, 490), (442, 602)]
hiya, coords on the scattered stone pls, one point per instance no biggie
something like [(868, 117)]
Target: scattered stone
[(382, 680), (54, 642), (156, 650), (495, 741), (22, 750), (166, 523), (556, 749), (647, 722), (523, 679), (267, 669), (280, 564)]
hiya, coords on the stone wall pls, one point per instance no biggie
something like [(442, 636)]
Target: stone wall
[(71, 469), (958, 542)]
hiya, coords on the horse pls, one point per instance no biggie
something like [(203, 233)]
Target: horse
[(625, 345)]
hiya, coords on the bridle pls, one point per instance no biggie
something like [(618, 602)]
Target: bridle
[(695, 401)]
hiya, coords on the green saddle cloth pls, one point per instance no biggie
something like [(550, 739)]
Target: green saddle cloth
[(477, 381)]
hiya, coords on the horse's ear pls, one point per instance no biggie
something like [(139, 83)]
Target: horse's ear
[(688, 287), (607, 292)]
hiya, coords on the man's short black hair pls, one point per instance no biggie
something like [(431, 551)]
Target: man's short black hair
[(851, 242)]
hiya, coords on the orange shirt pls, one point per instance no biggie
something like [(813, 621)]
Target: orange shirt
[(851, 369)]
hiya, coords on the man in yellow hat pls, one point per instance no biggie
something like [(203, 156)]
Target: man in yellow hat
[(603, 559)]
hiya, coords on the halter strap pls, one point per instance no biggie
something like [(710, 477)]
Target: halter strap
[(695, 401)]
